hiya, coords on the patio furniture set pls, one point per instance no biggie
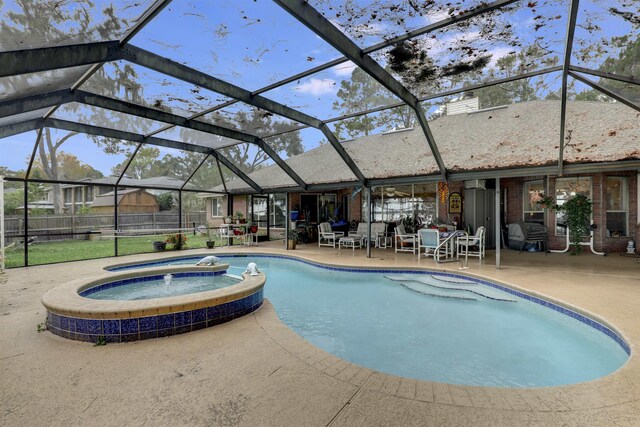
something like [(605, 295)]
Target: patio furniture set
[(426, 242)]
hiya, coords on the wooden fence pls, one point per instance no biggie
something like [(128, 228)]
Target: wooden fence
[(65, 227)]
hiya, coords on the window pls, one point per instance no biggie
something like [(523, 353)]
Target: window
[(617, 206), (392, 203), (565, 189), (216, 206), (277, 208), (533, 192)]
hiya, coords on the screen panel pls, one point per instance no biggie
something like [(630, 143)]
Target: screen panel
[(16, 153), (243, 42), (63, 225), (24, 85), (133, 83), (46, 23), (342, 89), (522, 37), (368, 22), (598, 128), (72, 156), (310, 155), (607, 35)]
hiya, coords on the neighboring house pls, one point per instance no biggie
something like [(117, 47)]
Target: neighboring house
[(77, 196), (40, 205), (482, 140), (134, 200)]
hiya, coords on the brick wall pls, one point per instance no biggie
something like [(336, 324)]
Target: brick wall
[(240, 204), (601, 241)]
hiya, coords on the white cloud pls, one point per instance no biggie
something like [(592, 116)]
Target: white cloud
[(317, 87), (436, 17), (497, 53), (344, 70)]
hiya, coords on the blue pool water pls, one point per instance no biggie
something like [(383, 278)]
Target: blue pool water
[(158, 287), (434, 327)]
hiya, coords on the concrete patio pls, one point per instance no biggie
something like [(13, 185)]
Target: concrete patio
[(256, 371)]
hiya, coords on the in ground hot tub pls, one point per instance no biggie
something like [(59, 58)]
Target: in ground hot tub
[(73, 313)]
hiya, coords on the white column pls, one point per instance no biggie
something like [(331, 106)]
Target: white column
[(498, 224)]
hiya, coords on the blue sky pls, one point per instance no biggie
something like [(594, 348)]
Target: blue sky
[(254, 43)]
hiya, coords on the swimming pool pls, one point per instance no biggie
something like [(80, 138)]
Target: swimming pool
[(433, 326)]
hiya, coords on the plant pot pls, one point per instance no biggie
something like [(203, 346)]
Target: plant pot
[(210, 244), (291, 244), (159, 246)]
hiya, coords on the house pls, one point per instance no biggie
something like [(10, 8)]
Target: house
[(518, 141), (77, 196), (135, 200)]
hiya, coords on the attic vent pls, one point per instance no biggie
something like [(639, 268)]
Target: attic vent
[(463, 106)]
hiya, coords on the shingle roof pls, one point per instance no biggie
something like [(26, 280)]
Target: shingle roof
[(522, 134)]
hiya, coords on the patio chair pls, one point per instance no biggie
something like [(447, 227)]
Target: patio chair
[(251, 236), (428, 241), (404, 242), (226, 232), (360, 233), (326, 236), (378, 229), (533, 233), (477, 242)]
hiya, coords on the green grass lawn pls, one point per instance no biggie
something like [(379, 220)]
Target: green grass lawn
[(73, 250)]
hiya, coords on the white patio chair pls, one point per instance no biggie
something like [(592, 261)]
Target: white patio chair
[(404, 242), (477, 242), (360, 233), (326, 236), (428, 241)]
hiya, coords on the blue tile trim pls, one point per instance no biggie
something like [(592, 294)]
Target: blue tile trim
[(134, 329), (581, 318)]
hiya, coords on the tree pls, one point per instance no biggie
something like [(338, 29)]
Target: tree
[(141, 165), (626, 64), (165, 201), (71, 168), (361, 93)]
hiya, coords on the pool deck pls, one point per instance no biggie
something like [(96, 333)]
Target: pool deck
[(255, 371)]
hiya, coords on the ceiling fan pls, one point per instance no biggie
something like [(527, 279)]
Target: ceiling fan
[(392, 192)]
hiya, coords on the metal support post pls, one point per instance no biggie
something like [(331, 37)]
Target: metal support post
[(498, 214), (287, 223), (368, 194), (115, 219)]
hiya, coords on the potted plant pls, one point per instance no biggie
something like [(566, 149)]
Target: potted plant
[(178, 240), (292, 239), (159, 246), (577, 212), (228, 219), (240, 218), (210, 242)]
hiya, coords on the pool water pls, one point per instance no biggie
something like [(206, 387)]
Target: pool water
[(433, 327), (159, 287)]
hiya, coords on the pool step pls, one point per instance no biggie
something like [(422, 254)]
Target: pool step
[(440, 293), (466, 287)]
